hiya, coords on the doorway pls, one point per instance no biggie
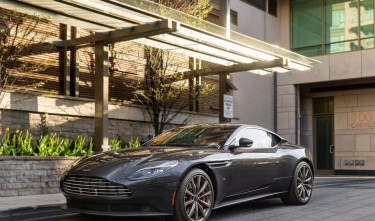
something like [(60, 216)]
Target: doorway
[(323, 134)]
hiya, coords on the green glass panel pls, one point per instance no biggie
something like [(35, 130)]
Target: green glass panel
[(367, 43), (341, 47), (306, 23), (323, 106), (309, 51), (341, 21), (367, 18)]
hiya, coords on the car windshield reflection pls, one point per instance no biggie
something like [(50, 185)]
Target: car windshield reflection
[(205, 136)]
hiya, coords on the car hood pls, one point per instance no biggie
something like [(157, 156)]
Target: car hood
[(129, 160)]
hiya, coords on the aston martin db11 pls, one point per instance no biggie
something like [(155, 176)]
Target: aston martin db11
[(186, 172)]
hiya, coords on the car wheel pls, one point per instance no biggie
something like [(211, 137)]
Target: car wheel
[(301, 187), (195, 197)]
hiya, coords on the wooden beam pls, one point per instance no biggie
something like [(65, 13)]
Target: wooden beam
[(129, 33)]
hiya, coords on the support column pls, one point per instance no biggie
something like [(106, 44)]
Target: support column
[(192, 89), (101, 96), (71, 64), (225, 22), (195, 86), (75, 65), (67, 60)]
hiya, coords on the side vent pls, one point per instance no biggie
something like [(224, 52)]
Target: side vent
[(218, 164)]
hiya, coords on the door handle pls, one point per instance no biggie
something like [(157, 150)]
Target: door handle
[(331, 149)]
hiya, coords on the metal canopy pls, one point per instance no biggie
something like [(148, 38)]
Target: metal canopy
[(155, 25), (192, 37)]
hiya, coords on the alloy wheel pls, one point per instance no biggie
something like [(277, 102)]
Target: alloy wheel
[(304, 183), (198, 198)]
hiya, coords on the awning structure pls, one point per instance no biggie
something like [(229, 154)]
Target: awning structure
[(189, 36), (155, 25)]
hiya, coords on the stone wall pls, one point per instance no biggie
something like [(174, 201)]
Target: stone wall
[(74, 116), (354, 127), (355, 130), (31, 175)]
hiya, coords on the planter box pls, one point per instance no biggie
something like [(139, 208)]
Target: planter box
[(31, 175)]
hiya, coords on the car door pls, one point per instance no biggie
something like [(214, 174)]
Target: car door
[(254, 168)]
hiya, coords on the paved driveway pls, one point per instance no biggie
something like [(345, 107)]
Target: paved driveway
[(338, 199), (334, 198)]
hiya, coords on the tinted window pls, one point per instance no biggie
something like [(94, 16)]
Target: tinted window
[(274, 139)]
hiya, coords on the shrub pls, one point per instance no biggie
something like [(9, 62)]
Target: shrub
[(51, 144)]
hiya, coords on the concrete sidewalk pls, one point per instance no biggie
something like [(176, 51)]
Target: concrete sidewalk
[(19, 207), (32, 201)]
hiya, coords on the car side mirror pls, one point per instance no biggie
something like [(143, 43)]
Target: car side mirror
[(244, 142)]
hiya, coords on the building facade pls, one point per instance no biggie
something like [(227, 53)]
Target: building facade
[(330, 109)]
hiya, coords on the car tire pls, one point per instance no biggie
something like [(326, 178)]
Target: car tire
[(301, 187), (195, 197)]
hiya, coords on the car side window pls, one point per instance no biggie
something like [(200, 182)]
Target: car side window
[(275, 140), (260, 138)]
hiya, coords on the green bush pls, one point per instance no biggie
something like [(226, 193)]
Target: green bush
[(116, 143), (51, 144)]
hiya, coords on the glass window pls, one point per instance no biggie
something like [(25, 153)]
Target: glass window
[(339, 21), (323, 106), (194, 136), (341, 47), (261, 4), (348, 25), (306, 23), (260, 138), (274, 139), (367, 43), (367, 19), (309, 51), (272, 7)]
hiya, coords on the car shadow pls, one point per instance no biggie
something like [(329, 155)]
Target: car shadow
[(246, 208)]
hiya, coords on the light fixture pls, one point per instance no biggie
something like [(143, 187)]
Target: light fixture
[(235, 47), (279, 70), (197, 46), (260, 72), (297, 66), (177, 50)]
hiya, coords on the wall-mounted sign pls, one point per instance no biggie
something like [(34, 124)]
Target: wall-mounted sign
[(361, 120), (228, 106)]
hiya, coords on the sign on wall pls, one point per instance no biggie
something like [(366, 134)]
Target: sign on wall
[(360, 120), (228, 106)]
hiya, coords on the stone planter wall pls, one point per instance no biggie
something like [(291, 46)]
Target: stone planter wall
[(31, 175)]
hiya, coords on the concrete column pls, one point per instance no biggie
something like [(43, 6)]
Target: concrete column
[(101, 96), (287, 112)]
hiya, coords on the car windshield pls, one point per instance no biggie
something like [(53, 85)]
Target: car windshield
[(194, 136)]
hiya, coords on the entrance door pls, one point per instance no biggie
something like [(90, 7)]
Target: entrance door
[(323, 120)]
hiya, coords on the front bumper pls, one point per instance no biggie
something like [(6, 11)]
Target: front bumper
[(150, 200)]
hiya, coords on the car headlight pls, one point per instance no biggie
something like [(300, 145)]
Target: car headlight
[(149, 172)]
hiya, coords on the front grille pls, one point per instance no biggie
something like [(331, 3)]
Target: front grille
[(93, 186)]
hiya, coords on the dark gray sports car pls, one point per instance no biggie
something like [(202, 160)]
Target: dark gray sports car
[(186, 172)]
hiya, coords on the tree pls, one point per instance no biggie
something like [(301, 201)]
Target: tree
[(19, 37), (164, 99)]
